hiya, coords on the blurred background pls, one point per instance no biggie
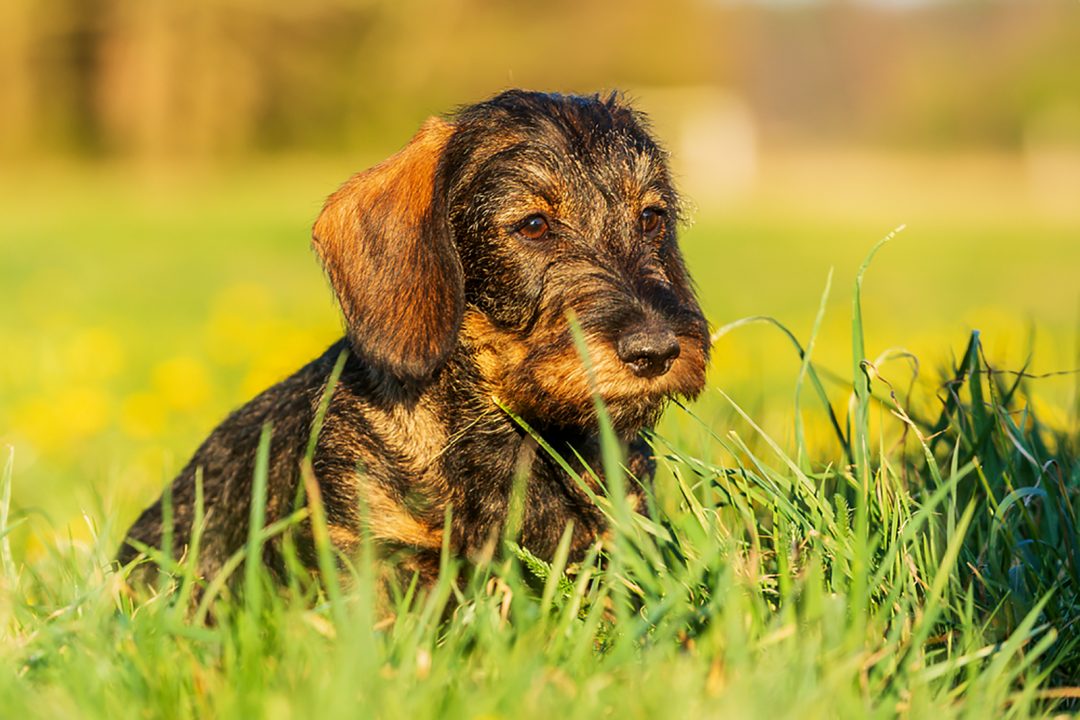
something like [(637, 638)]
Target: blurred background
[(161, 163)]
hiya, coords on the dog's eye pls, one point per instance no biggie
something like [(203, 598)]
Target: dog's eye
[(535, 227), (651, 221)]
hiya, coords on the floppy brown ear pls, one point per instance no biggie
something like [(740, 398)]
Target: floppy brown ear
[(384, 241)]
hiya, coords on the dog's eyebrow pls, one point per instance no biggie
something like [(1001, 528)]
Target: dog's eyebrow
[(644, 174), (527, 168), (523, 172), (645, 168), (537, 159)]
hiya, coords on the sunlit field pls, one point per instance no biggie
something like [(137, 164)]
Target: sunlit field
[(142, 308), (900, 566)]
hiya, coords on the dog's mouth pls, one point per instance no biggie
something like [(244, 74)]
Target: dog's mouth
[(634, 391), (549, 383), (671, 368)]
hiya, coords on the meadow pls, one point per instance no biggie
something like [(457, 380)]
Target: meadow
[(917, 557)]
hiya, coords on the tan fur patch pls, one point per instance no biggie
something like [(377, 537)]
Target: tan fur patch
[(495, 351), (409, 437), (342, 537), (414, 433), (387, 520)]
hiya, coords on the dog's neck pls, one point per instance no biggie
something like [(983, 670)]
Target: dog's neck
[(491, 449), (454, 445), (468, 409)]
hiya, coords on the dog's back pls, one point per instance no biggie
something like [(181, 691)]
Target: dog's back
[(226, 463)]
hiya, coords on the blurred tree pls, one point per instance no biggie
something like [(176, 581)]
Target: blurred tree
[(169, 79), (16, 92)]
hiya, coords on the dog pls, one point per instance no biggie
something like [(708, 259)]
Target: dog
[(461, 265)]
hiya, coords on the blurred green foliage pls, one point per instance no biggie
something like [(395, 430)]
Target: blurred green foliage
[(211, 78)]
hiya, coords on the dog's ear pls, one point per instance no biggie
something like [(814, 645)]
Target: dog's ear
[(385, 243)]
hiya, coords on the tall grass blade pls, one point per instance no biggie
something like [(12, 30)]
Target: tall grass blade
[(253, 567), (811, 371), (801, 457), (859, 441), (6, 559)]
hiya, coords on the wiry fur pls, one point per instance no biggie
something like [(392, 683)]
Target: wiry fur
[(449, 307)]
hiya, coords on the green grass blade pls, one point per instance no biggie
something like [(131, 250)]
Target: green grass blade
[(253, 587)]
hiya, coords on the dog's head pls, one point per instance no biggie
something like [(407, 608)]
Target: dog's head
[(494, 231)]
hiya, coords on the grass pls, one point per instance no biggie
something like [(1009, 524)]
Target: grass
[(837, 533), (934, 572)]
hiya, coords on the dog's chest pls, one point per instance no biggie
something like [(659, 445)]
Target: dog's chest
[(408, 466)]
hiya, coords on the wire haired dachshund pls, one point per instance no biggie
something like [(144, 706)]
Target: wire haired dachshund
[(460, 264)]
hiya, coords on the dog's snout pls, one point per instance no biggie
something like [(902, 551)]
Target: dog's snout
[(648, 353)]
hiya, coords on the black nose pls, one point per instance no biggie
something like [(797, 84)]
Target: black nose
[(648, 353)]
